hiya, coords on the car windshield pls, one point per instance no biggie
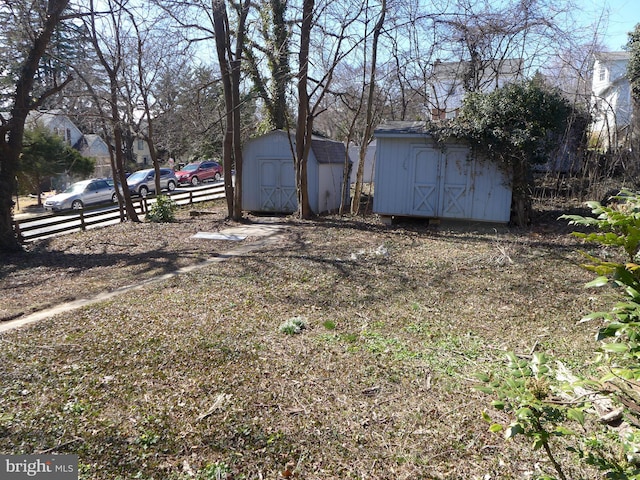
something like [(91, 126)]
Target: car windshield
[(76, 187), (136, 177), (190, 168)]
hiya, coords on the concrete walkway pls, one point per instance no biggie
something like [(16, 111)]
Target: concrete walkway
[(268, 234)]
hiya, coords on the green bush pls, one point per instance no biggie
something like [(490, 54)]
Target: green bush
[(163, 210), (544, 404)]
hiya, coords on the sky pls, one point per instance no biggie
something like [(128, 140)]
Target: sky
[(623, 17)]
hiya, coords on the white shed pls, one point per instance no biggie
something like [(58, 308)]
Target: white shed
[(268, 176), (415, 177), (369, 162)]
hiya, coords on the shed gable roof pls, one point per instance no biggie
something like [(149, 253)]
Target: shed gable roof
[(401, 128), (326, 151)]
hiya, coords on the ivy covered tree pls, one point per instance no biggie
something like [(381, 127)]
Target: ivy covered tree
[(633, 72), (518, 126), (44, 155)]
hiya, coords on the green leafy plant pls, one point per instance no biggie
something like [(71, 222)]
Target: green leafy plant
[(293, 326), (163, 210), (528, 392), (532, 393), (215, 471)]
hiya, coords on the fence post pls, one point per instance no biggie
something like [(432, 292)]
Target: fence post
[(16, 226), (83, 227)]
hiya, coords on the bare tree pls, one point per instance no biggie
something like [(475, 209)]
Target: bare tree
[(109, 47), (154, 53), (230, 66), (333, 46), (377, 30)]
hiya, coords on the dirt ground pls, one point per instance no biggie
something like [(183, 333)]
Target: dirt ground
[(193, 377)]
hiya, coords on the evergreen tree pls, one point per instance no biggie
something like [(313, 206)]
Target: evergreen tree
[(44, 155)]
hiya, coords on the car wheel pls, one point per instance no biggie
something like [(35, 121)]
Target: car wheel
[(195, 181), (171, 186), (217, 176), (76, 205), (114, 198), (143, 191)]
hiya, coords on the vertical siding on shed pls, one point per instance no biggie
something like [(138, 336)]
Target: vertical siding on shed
[(329, 186), (415, 178), (492, 193), (392, 176), (272, 146)]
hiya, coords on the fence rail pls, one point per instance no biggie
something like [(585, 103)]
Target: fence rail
[(52, 224)]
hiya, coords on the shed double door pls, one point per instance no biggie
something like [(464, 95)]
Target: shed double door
[(277, 185), (441, 182)]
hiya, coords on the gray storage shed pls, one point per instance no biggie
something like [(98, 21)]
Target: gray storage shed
[(415, 177), (268, 176)]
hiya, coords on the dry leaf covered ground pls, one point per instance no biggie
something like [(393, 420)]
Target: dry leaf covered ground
[(193, 378)]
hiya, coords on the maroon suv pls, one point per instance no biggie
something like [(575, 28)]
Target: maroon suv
[(197, 172)]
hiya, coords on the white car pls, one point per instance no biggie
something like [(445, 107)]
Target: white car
[(80, 194)]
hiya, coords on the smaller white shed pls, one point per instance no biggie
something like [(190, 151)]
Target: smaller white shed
[(268, 176), (416, 177)]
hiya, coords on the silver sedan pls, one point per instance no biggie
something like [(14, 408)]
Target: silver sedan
[(80, 194)]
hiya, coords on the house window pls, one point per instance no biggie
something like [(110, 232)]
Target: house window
[(602, 74), (69, 136), (141, 145), (145, 160)]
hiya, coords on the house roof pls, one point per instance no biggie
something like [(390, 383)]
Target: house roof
[(507, 66), (611, 56), (45, 118)]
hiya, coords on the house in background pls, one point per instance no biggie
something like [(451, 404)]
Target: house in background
[(416, 177), (57, 123), (611, 99), (450, 81), (93, 146), (90, 145), (269, 182), (141, 152)]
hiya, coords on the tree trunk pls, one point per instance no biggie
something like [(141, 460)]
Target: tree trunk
[(12, 132), (521, 205), (237, 133), (355, 206), (237, 145), (305, 119), (221, 33)]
